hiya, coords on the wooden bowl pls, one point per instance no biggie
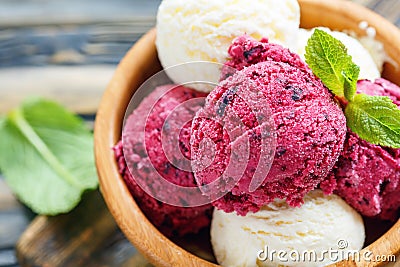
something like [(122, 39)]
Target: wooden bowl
[(141, 62)]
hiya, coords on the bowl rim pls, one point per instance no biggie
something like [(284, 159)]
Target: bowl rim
[(146, 238), (130, 73)]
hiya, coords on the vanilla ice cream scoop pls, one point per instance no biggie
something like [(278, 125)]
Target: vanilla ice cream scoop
[(322, 231), (202, 30), (360, 55)]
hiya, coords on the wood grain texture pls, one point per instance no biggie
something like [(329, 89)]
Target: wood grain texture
[(347, 16), (131, 72), (79, 88), (71, 44), (50, 12), (66, 50), (77, 40), (387, 8), (84, 237), (14, 219), (140, 62), (39, 36)]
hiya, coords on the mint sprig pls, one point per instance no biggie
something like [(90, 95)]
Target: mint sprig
[(375, 119), (328, 59), (47, 156), (350, 81)]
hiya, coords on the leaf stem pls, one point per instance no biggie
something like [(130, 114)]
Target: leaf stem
[(20, 122)]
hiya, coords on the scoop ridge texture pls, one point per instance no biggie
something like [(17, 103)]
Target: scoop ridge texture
[(310, 127), (367, 176), (145, 153)]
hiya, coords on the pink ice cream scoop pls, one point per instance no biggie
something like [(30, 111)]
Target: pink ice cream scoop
[(308, 126), (148, 154), (367, 176), (245, 51)]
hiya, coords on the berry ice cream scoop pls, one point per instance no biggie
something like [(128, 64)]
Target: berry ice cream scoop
[(153, 148), (367, 176), (308, 125)]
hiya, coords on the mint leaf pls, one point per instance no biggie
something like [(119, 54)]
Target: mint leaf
[(47, 156), (350, 81), (2, 123), (375, 119), (328, 59)]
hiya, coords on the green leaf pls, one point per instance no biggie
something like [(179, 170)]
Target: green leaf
[(47, 156), (328, 59), (350, 81), (375, 119), (2, 125)]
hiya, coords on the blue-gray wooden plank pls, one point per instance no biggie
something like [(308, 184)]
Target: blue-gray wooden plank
[(28, 12), (14, 219), (34, 33), (103, 43)]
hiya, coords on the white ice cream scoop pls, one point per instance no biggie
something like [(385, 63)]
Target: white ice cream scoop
[(322, 231), (202, 30)]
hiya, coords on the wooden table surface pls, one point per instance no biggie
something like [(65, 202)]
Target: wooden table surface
[(68, 50)]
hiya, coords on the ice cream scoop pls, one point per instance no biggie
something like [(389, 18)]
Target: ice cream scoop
[(309, 127), (153, 148), (360, 55), (367, 176), (322, 231), (202, 30)]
